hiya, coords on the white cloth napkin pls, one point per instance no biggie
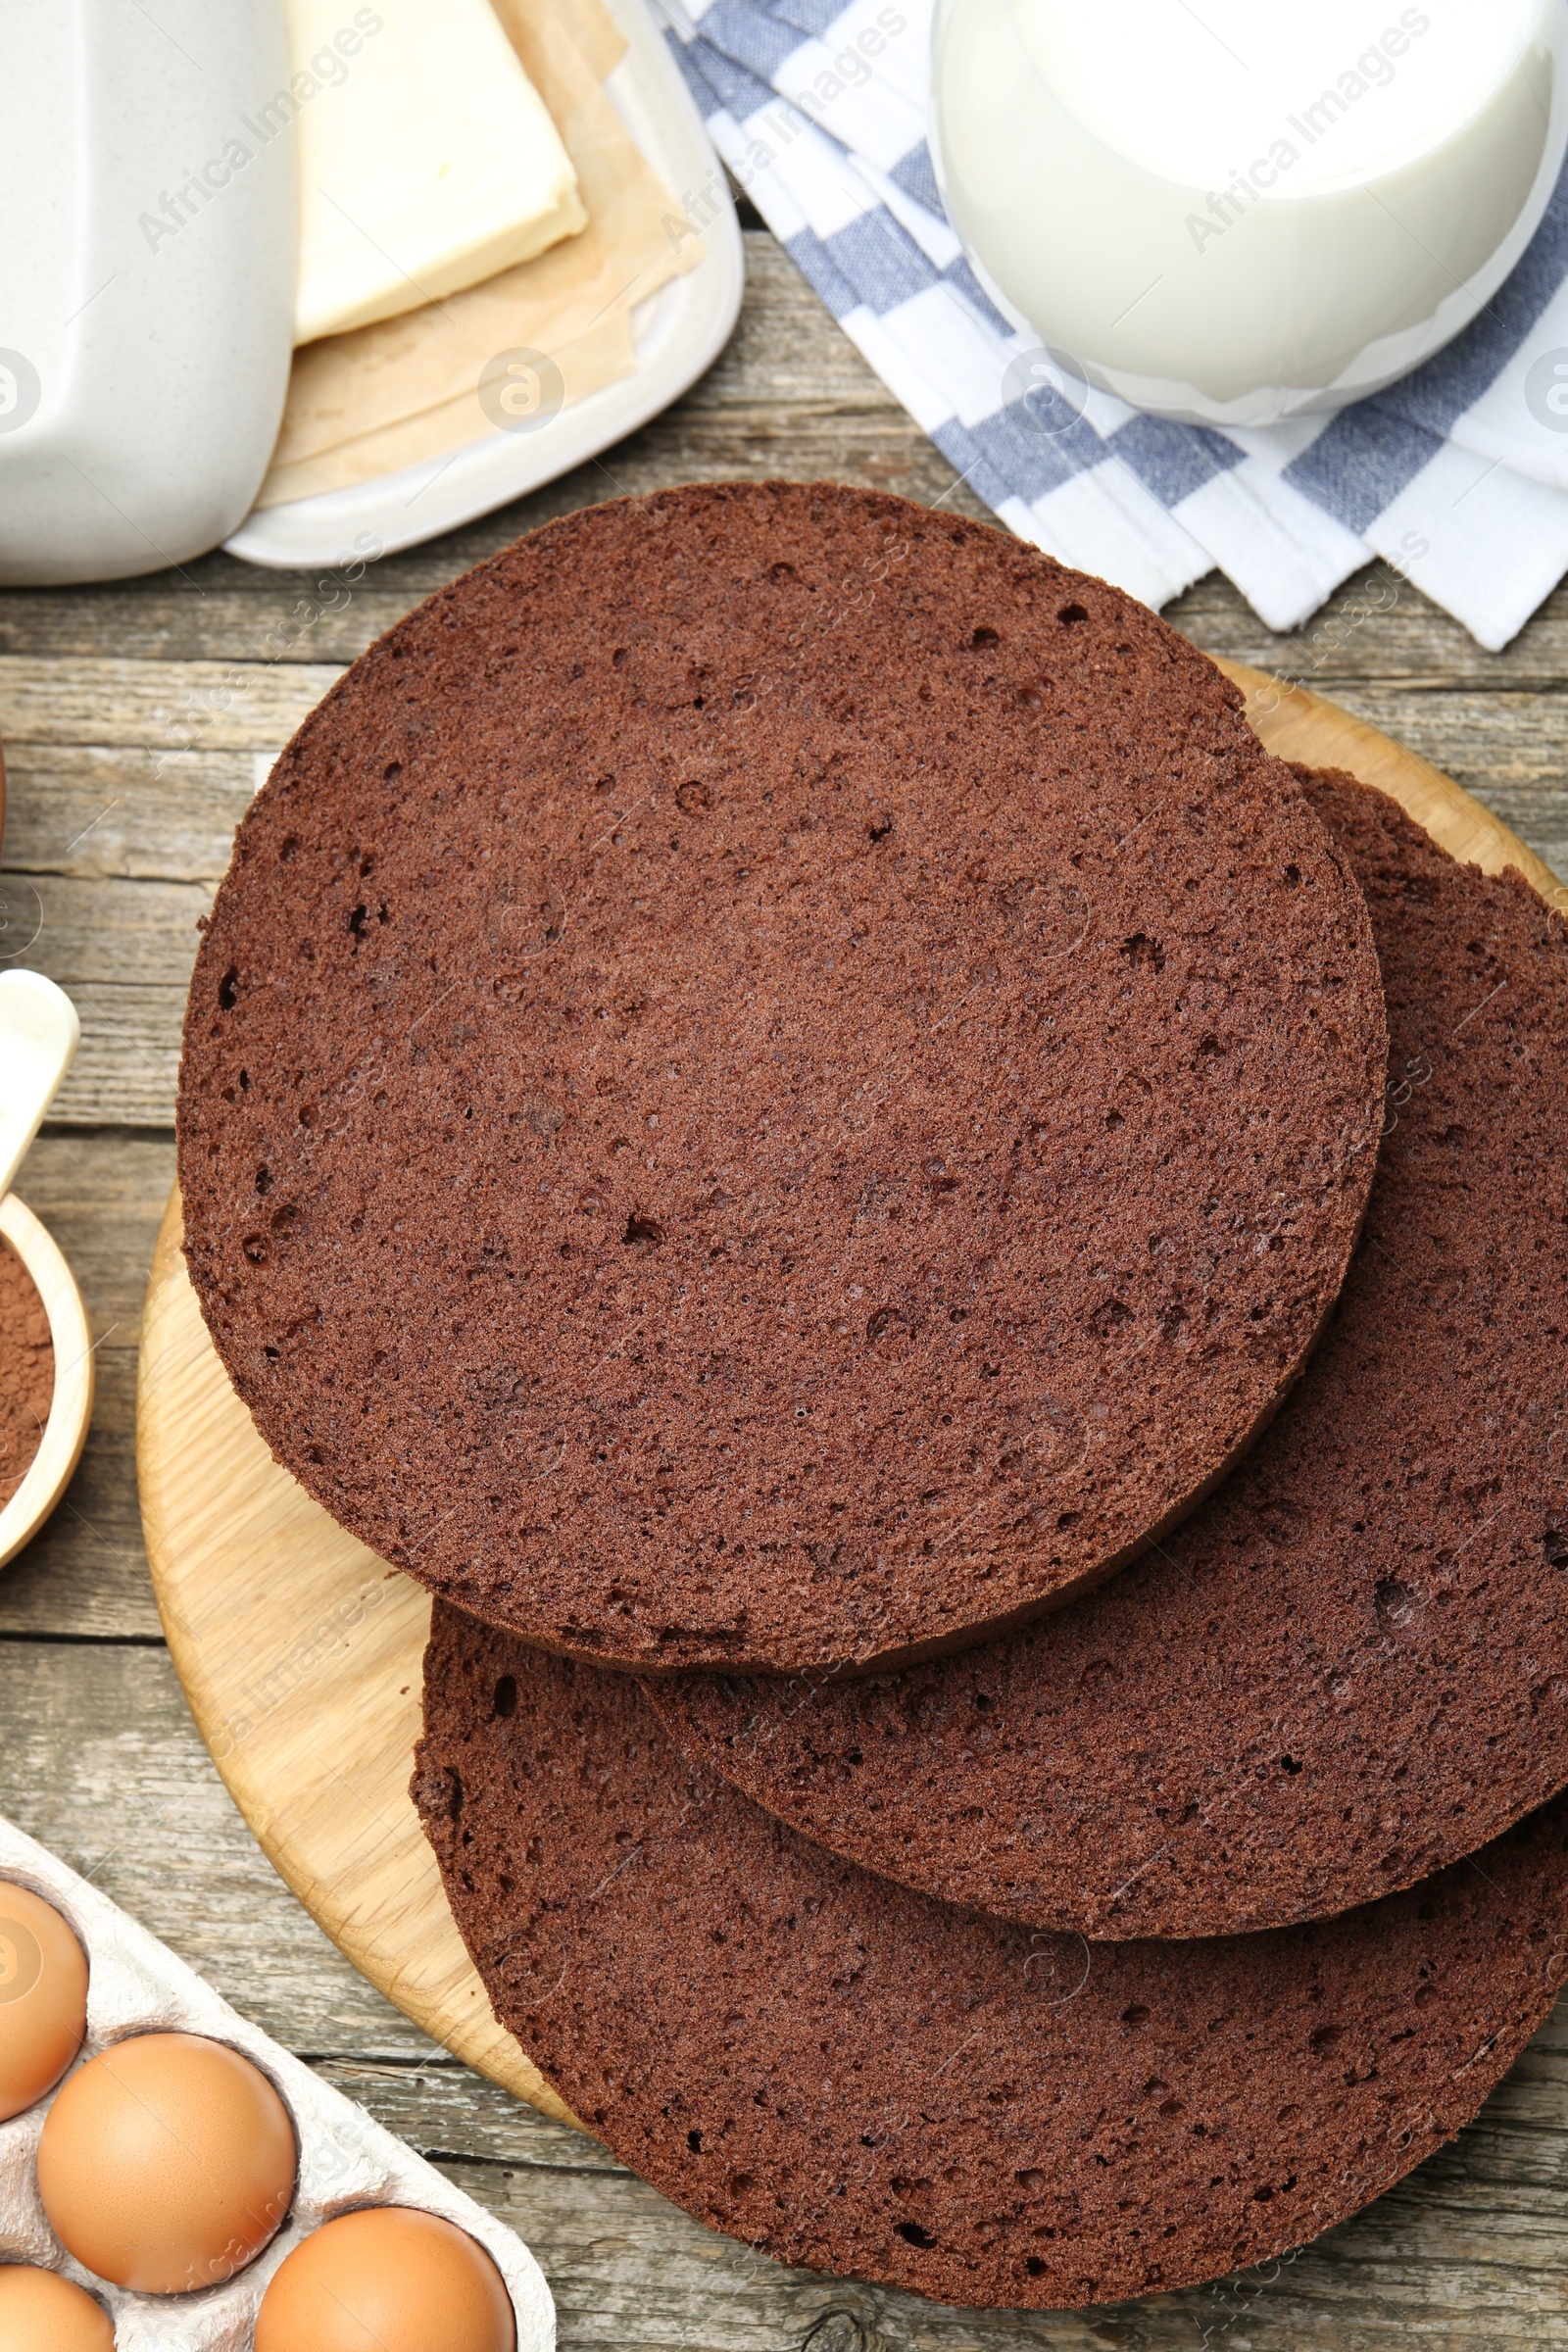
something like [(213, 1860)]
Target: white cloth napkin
[(1457, 475)]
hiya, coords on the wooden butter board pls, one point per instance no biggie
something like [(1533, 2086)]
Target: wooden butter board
[(300, 1650)]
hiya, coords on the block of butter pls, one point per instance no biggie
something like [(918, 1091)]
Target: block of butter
[(428, 160)]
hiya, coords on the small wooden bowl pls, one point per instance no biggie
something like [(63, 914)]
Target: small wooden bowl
[(70, 1409)]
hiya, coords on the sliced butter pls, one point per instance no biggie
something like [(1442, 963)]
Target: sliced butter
[(428, 160)]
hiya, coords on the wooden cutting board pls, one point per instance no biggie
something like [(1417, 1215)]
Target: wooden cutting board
[(300, 1650)]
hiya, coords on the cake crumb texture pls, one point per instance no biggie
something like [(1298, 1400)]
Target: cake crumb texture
[(851, 2075), (1351, 1666), (776, 1080)]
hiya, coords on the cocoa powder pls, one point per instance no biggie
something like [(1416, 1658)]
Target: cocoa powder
[(27, 1371)]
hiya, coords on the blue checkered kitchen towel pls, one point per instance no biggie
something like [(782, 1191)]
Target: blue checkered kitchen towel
[(1458, 476)]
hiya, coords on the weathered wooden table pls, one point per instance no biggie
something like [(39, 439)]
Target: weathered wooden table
[(136, 721)]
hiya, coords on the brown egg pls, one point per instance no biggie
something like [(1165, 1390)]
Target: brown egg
[(43, 1998), (41, 2312), (387, 2279), (166, 2164)]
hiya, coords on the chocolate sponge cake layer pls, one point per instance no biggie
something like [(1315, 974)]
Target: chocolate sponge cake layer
[(1352, 1665), (853, 2076), (776, 1081)]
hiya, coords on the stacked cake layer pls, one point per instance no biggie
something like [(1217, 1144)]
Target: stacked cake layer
[(1351, 1666), (854, 2076), (794, 1144), (791, 1118)]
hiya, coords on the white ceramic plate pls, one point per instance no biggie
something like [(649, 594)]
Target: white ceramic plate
[(679, 333)]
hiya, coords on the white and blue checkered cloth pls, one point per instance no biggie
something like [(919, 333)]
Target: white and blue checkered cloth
[(1457, 475)]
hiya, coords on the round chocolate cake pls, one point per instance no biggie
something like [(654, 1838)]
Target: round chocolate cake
[(1352, 1665), (776, 1082), (851, 2076)]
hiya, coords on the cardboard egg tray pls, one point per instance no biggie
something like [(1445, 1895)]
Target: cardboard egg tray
[(136, 1985)]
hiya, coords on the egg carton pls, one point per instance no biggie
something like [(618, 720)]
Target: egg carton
[(346, 2160)]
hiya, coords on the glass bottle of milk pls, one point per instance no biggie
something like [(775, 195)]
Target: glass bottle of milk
[(1245, 210)]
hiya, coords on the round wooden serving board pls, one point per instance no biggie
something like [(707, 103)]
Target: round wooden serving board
[(300, 1650)]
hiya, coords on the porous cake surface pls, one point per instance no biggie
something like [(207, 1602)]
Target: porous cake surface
[(775, 1080), (856, 2077), (1352, 1665)]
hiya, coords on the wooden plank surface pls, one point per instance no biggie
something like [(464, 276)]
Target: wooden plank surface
[(98, 1754)]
